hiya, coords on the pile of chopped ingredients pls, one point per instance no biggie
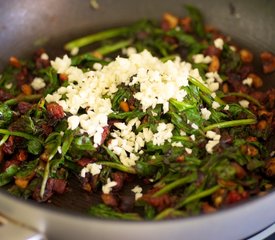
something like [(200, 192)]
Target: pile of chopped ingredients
[(161, 121)]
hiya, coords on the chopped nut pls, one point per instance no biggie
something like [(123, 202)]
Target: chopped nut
[(171, 20), (257, 81), (268, 61), (246, 56), (214, 65)]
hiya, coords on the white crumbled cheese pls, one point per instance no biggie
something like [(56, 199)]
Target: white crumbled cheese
[(272, 154), (97, 66), (244, 103), (129, 51), (213, 95), (177, 144), (200, 58), (8, 85), (214, 76), (164, 132), (214, 86), (215, 139), (195, 126), (138, 192), (213, 135), (74, 51), (38, 83), (233, 48), (188, 150), (44, 56), (107, 188), (226, 107), (182, 133), (92, 168), (215, 105), (248, 81), (210, 145), (61, 65), (92, 91), (59, 149), (193, 137), (218, 43), (73, 122), (205, 113)]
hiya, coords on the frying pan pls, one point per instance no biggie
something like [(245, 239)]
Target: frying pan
[(26, 25)]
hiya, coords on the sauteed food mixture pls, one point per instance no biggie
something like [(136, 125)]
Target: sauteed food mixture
[(161, 120)]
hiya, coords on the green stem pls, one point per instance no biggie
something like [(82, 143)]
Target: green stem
[(246, 96), (19, 134), (45, 179), (4, 139), (118, 167), (167, 213), (204, 89), (84, 41), (25, 98), (175, 184), (112, 48), (232, 123), (199, 195)]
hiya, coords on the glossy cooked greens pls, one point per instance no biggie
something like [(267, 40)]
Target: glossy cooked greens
[(39, 154)]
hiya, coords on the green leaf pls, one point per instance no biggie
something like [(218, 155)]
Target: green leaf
[(103, 211), (7, 175), (34, 146), (83, 143), (6, 115)]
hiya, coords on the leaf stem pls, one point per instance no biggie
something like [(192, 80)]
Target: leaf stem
[(198, 195), (25, 98), (19, 134), (232, 123), (246, 96), (112, 48), (175, 184), (204, 89), (84, 41), (118, 166)]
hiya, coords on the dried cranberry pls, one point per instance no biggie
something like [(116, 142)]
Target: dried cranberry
[(4, 95), (24, 107), (55, 111)]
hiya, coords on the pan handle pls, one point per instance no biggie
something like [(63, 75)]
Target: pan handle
[(10, 229)]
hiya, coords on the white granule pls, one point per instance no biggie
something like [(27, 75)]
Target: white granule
[(193, 137), (218, 43), (195, 126), (200, 58), (97, 66), (92, 168), (61, 65), (244, 103), (8, 85), (188, 150), (74, 51), (226, 107), (205, 113), (73, 122), (38, 83), (176, 144), (215, 105), (210, 145), (213, 135), (138, 192), (248, 81), (44, 56), (107, 188)]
